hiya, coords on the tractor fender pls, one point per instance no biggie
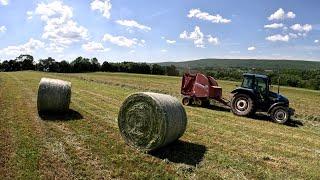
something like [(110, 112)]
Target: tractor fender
[(275, 105), (244, 91)]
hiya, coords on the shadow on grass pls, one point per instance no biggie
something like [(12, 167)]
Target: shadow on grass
[(294, 123), (181, 152), (264, 117), (70, 115), (218, 108), (258, 116)]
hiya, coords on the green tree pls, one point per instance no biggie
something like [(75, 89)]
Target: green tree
[(47, 65), (95, 65), (172, 71), (106, 67), (27, 61), (158, 70), (81, 64), (64, 67)]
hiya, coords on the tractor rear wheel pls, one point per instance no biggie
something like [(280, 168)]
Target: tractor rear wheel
[(242, 105), (280, 114)]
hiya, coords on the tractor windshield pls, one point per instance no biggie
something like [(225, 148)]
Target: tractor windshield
[(261, 85), (247, 82)]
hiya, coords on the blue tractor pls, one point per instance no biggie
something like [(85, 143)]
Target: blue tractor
[(254, 95)]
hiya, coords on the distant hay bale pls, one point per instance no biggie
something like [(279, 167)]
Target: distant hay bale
[(148, 121), (54, 95)]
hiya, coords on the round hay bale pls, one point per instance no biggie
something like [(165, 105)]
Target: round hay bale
[(54, 95), (148, 121)]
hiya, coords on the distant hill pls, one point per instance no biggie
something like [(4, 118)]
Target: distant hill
[(246, 63)]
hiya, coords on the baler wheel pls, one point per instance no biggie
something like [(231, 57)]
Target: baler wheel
[(198, 102), (186, 101)]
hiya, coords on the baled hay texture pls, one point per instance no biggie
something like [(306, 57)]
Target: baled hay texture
[(148, 121), (54, 95)]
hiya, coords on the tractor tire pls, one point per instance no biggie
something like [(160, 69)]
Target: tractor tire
[(242, 105), (187, 101), (280, 114)]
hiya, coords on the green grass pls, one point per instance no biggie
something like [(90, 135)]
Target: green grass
[(88, 145)]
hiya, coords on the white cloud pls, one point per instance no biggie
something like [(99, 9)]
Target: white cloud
[(278, 37), (4, 2), (133, 24), (60, 29), (171, 41), (280, 14), (197, 37), (273, 26), (301, 28), (132, 51), (104, 6), (54, 48), (213, 40), (164, 50), (252, 48), (94, 46), (168, 41), (316, 41), (3, 29), (27, 48), (293, 35), (197, 13), (123, 41), (235, 52), (291, 15), (55, 11), (29, 15)]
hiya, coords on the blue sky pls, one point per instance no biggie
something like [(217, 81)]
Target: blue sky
[(167, 30)]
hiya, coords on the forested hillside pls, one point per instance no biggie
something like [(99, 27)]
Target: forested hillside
[(246, 63)]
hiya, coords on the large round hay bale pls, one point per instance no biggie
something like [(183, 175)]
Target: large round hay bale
[(54, 95), (148, 121)]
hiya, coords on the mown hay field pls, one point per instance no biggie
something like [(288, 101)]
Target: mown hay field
[(86, 143)]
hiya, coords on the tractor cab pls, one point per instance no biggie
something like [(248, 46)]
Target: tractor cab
[(258, 83), (254, 95)]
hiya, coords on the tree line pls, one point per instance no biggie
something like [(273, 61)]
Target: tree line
[(289, 77), (81, 65)]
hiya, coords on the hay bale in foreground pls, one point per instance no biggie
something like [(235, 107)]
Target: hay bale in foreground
[(54, 95), (148, 121)]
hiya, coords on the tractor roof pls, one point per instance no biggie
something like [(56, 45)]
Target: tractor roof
[(256, 75)]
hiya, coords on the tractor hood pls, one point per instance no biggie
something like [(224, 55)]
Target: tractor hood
[(278, 97)]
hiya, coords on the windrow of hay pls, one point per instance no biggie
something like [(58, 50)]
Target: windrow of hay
[(148, 121), (54, 95)]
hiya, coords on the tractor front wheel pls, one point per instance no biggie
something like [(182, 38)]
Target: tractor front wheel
[(242, 105), (280, 114)]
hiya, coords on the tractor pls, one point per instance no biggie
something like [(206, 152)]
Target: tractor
[(252, 96)]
